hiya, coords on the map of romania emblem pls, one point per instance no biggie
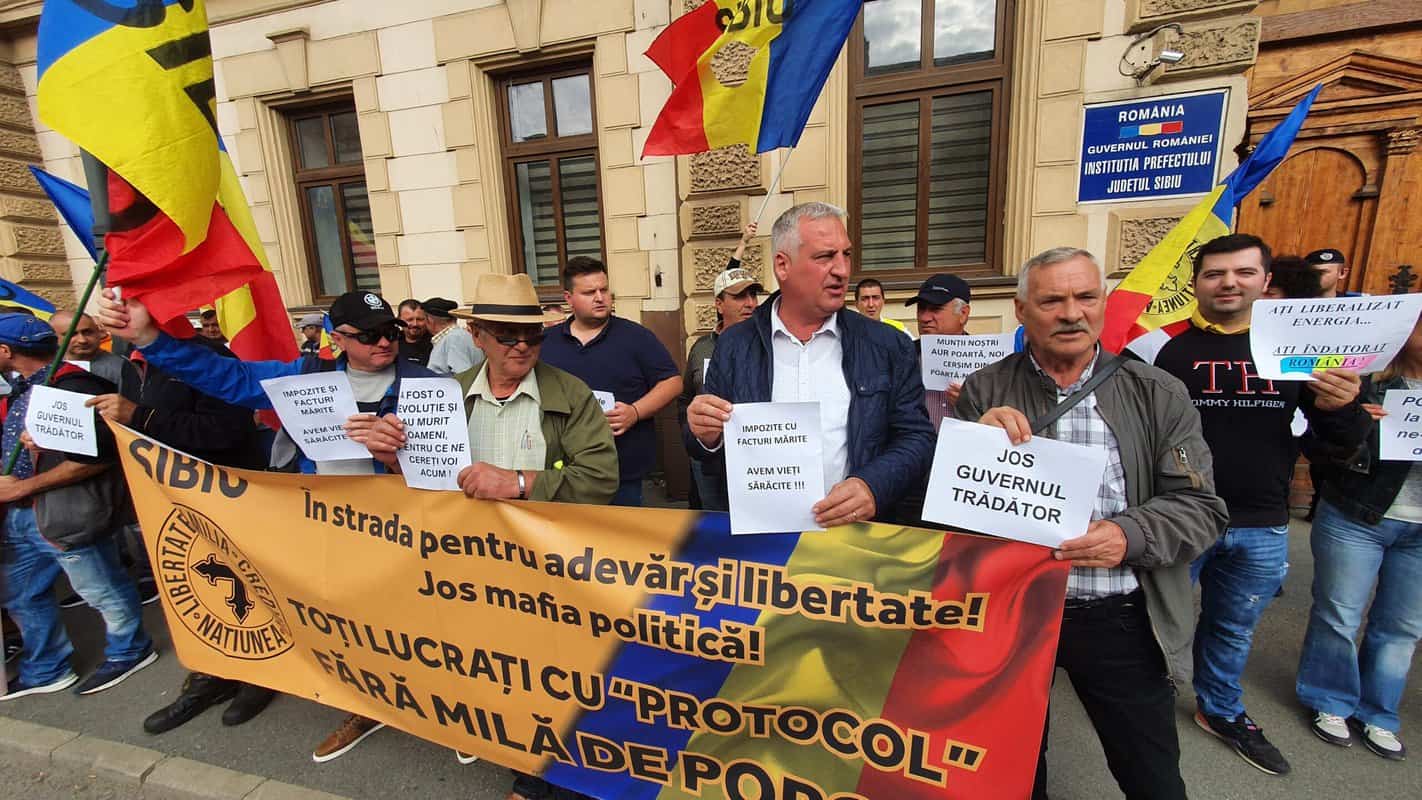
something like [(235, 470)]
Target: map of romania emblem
[(218, 594)]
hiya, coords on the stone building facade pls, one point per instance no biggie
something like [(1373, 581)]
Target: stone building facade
[(431, 161)]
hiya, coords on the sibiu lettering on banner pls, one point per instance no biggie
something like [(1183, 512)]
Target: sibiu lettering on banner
[(618, 652)]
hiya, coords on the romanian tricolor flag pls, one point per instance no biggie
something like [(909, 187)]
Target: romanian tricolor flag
[(134, 87), (1159, 293), (745, 72)]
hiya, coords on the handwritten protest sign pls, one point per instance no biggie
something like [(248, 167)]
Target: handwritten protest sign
[(951, 359), (313, 408), (1400, 432), (1292, 339), (621, 653), (605, 400), (57, 420), (774, 471), (436, 434), (1040, 492)]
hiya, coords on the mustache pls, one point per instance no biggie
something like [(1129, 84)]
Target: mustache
[(1071, 327)]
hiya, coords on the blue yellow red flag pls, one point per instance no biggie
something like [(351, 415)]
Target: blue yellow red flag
[(13, 295), (1158, 296), (745, 72), (133, 85)]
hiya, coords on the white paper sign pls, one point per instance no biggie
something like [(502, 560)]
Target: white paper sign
[(313, 408), (1292, 339), (1400, 432), (436, 433), (951, 359), (1040, 492), (605, 400), (57, 420), (774, 466)]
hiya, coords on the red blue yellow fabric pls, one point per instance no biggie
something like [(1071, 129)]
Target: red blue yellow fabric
[(745, 72), (1158, 293), (133, 85)]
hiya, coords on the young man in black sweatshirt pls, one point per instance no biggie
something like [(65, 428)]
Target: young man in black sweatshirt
[(1246, 423)]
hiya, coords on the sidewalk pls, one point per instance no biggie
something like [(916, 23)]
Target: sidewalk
[(277, 745)]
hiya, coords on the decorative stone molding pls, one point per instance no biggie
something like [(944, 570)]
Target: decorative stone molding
[(705, 316), (708, 262), (1403, 141), (1225, 46), (10, 79), (688, 6), (734, 167), (1146, 14), (1139, 236), (731, 64), (48, 272), (32, 240), (15, 112), (26, 209), (291, 52), (17, 143), (717, 219)]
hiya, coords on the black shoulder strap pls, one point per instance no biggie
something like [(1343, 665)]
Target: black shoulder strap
[(1103, 372)]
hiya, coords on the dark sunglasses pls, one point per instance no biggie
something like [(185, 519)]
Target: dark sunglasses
[(532, 340), (390, 332)]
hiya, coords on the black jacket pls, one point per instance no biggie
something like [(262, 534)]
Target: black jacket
[(91, 510), (180, 416), (1360, 484)]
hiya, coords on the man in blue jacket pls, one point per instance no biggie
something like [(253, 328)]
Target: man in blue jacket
[(368, 333), (803, 346)]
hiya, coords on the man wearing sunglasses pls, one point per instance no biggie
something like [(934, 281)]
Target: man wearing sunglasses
[(368, 334), (535, 431)]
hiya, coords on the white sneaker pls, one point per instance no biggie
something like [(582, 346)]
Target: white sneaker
[(1332, 728), (1383, 742), (465, 758)]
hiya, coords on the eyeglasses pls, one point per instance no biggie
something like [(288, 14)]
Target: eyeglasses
[(390, 332), (532, 340)]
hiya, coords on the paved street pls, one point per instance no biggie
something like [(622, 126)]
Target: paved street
[(24, 780), (390, 764)]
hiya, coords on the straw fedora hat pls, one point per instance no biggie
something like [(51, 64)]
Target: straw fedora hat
[(507, 298)]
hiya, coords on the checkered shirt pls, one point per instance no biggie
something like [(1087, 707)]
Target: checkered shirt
[(1084, 425)]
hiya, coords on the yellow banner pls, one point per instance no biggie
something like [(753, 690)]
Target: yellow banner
[(628, 653)]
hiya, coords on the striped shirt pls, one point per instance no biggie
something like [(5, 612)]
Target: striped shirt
[(1084, 425)]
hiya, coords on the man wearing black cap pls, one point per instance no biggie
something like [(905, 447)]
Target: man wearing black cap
[(1332, 271), (62, 511), (363, 327), (453, 348), (943, 309)]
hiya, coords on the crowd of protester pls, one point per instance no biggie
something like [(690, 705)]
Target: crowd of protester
[(1195, 493)]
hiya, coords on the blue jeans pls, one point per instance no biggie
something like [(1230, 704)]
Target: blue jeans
[(1239, 576), (711, 488), (96, 576), (629, 493), (1350, 557)]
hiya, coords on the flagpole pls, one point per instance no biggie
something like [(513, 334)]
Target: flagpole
[(54, 363), (774, 184)]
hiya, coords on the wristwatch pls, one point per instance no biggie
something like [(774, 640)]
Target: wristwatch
[(522, 485)]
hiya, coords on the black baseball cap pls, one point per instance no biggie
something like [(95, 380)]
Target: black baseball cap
[(1325, 256), (439, 307), (364, 311), (941, 289)]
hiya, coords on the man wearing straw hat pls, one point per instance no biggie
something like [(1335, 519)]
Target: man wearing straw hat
[(535, 431)]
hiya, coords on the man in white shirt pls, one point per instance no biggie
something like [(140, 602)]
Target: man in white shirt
[(803, 345)]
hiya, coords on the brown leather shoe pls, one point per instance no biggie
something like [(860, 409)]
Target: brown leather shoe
[(345, 738)]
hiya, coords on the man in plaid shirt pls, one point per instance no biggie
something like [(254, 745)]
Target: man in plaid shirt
[(1129, 616)]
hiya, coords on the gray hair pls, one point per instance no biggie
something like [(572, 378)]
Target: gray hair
[(785, 234), (1056, 255)]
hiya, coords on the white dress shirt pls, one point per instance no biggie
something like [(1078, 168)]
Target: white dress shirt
[(813, 371)]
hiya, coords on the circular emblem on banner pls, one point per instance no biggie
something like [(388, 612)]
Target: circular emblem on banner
[(216, 591), (372, 300)]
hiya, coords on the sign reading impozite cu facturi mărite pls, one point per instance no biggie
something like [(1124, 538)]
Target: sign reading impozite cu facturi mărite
[(1151, 148)]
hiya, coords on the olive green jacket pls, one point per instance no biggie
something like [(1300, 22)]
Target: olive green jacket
[(581, 464)]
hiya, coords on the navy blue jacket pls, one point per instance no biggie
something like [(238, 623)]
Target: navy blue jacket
[(890, 438)]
